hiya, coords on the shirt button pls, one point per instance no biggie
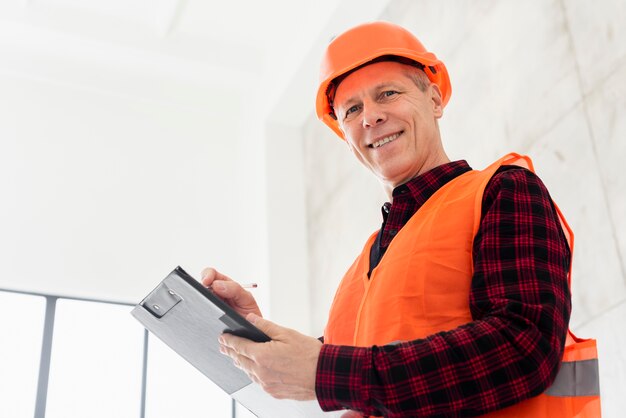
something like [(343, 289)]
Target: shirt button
[(393, 232)]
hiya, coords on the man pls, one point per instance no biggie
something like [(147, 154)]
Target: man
[(459, 305)]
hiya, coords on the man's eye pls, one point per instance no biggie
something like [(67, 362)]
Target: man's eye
[(389, 93), (352, 109)]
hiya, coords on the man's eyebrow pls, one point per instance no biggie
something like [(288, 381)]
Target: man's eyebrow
[(376, 88), (384, 85), (348, 102)]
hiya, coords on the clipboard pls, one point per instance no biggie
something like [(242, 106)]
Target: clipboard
[(189, 318)]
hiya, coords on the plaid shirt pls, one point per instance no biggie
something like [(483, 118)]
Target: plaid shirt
[(520, 305)]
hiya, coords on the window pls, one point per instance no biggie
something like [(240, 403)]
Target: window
[(21, 328), (96, 364), (176, 389)]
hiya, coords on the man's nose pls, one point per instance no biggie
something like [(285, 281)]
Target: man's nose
[(373, 114)]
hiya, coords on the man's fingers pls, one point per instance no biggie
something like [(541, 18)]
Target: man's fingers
[(225, 287), (228, 290), (236, 346), (241, 362), (268, 327), (284, 367), (352, 414), (209, 275)]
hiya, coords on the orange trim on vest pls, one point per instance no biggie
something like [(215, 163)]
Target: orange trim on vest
[(421, 286)]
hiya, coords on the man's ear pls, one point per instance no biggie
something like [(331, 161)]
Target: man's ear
[(435, 96)]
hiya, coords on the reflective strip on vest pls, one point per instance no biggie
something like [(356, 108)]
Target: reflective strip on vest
[(576, 378)]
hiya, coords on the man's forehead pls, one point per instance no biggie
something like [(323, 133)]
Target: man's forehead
[(371, 77)]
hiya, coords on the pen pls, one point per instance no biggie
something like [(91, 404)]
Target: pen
[(245, 285), (249, 285)]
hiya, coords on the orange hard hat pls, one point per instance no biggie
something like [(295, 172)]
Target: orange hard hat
[(365, 43)]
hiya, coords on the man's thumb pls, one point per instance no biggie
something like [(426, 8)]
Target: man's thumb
[(268, 327)]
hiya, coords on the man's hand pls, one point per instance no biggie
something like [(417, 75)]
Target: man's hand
[(284, 367), (352, 414), (230, 291)]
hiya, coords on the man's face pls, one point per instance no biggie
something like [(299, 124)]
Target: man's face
[(390, 125)]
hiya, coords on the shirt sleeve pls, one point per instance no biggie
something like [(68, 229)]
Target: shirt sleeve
[(520, 305)]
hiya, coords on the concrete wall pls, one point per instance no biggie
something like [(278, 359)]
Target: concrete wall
[(544, 78)]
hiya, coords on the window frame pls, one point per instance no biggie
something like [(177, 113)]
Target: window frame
[(46, 349)]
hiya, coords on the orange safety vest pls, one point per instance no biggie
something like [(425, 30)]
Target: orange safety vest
[(421, 286)]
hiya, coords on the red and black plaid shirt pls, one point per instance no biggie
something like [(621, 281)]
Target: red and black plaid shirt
[(520, 305)]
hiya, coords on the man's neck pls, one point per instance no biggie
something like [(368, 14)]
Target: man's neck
[(429, 165)]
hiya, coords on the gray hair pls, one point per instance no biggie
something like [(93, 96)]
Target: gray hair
[(419, 77)]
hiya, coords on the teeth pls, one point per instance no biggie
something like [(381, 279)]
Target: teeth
[(385, 140)]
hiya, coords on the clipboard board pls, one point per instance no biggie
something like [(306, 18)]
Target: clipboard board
[(189, 318)]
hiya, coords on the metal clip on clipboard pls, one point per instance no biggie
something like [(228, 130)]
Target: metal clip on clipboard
[(161, 300)]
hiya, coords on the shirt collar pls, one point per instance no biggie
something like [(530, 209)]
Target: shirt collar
[(422, 187)]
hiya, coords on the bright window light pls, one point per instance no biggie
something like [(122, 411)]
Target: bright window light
[(176, 389), (21, 328), (96, 364)]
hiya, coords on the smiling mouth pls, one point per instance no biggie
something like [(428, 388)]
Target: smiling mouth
[(385, 140)]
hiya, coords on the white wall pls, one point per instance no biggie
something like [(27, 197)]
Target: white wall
[(103, 195), (546, 78), (122, 149)]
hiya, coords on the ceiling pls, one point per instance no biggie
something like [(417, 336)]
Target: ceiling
[(199, 48)]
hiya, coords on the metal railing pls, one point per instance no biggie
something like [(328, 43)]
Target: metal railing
[(46, 351)]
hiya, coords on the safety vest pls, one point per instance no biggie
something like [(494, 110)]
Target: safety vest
[(421, 286)]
